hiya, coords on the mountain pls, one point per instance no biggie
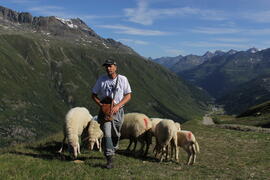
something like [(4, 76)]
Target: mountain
[(223, 73), (180, 64), (48, 65), (251, 93), (168, 61)]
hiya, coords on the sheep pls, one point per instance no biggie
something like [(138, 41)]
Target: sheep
[(94, 135), (166, 134), (137, 126), (187, 141), (155, 121), (76, 120)]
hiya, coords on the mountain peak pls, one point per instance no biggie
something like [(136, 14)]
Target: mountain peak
[(51, 24), (252, 50), (208, 54), (232, 51), (219, 53)]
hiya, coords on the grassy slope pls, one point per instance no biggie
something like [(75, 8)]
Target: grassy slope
[(225, 154), (258, 115)]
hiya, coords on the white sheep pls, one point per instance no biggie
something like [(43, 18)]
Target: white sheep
[(76, 121), (137, 126), (166, 135), (94, 135), (187, 141)]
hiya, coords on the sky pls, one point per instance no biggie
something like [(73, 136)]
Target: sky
[(161, 28)]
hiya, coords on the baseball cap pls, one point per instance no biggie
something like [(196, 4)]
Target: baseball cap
[(109, 62)]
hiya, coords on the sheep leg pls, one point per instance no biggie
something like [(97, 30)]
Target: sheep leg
[(175, 147), (100, 142), (63, 142), (130, 142), (172, 150), (193, 153), (162, 154), (97, 143), (135, 145), (167, 152), (147, 149), (142, 146), (148, 140), (189, 155), (78, 148)]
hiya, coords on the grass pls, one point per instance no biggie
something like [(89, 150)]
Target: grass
[(225, 154), (258, 121)]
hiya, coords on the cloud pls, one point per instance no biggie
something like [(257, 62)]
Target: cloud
[(215, 45), (142, 14), (207, 30), (258, 31), (120, 29), (50, 11), (232, 39), (132, 41), (174, 52), (261, 17), (21, 1)]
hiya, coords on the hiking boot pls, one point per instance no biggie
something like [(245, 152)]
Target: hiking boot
[(109, 164)]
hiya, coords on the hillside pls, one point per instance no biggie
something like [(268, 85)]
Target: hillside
[(48, 65), (246, 95)]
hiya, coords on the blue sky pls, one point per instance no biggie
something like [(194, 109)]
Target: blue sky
[(156, 28)]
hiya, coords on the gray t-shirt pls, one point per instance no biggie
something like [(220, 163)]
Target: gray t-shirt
[(104, 87)]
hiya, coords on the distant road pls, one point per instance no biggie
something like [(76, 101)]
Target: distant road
[(208, 120)]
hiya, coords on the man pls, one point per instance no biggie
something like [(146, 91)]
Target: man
[(115, 87)]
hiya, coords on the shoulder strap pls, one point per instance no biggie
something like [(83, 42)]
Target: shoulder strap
[(114, 89)]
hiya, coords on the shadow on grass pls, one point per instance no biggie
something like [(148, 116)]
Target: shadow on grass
[(137, 155), (49, 151)]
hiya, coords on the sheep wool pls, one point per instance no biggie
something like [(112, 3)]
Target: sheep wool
[(178, 126), (155, 121), (76, 121)]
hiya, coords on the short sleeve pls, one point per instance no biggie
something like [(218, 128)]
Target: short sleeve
[(96, 87), (127, 88)]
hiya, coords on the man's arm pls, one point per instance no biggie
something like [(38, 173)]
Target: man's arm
[(126, 98), (96, 99)]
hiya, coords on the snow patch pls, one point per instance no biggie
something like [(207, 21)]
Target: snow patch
[(67, 22), (105, 45)]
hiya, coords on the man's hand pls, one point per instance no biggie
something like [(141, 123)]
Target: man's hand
[(115, 109)]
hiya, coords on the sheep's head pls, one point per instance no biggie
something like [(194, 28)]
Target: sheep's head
[(91, 143), (73, 146)]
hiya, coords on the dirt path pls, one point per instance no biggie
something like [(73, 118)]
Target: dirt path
[(208, 120)]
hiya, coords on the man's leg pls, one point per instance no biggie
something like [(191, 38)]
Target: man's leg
[(107, 142)]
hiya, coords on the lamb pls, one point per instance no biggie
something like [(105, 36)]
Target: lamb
[(166, 134), (94, 135), (137, 126), (76, 120), (187, 141)]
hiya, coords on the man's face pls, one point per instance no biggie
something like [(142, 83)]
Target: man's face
[(111, 69)]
